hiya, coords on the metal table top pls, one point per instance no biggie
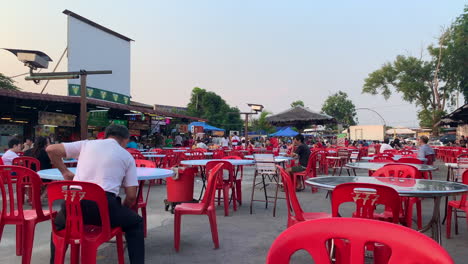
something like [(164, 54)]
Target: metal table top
[(142, 173), (202, 162), (204, 153), (276, 157), (395, 157), (377, 165), (404, 187), (154, 155)]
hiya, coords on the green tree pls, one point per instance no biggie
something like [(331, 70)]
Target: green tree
[(261, 123), (7, 83), (431, 85), (341, 108), (297, 103), (209, 105), (452, 53)]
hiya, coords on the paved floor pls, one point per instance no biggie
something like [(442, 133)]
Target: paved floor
[(244, 238)]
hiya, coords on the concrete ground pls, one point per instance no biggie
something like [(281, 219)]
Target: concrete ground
[(244, 238)]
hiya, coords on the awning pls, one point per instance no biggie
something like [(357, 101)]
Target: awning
[(205, 126), (91, 101), (287, 132)]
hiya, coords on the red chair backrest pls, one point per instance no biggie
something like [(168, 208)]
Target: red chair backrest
[(218, 154), (390, 151), (236, 153), (410, 160), (13, 180), (1, 161), (397, 171), (380, 158), (311, 169), (227, 166), (156, 150), (135, 153), (294, 207), (27, 162), (232, 157), (406, 152), (411, 247), (74, 193), (196, 154), (213, 175), (201, 150), (141, 163), (366, 196), (463, 202)]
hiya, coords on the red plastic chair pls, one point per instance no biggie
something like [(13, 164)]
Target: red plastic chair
[(295, 212), (390, 151), (411, 247), (76, 233), (13, 181), (381, 158), (366, 196), (1, 161), (238, 180), (455, 206), (206, 206), (406, 152), (310, 171), (224, 185), (180, 190), (404, 171), (410, 160), (27, 162), (142, 202), (136, 154)]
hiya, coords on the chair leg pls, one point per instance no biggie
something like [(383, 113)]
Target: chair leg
[(19, 240), (214, 227), (177, 225), (265, 192), (75, 254), (60, 251), (226, 200), (276, 198), (234, 197), (120, 248), (239, 191), (28, 241), (448, 223), (253, 191), (455, 213), (409, 213), (419, 213), (88, 253)]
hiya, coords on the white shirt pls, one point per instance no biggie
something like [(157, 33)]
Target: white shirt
[(8, 157), (202, 145), (224, 142), (235, 140), (103, 162), (178, 140), (384, 147)]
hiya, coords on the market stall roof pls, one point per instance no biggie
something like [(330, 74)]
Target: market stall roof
[(91, 101), (457, 117), (287, 132), (205, 126), (399, 131), (300, 117)]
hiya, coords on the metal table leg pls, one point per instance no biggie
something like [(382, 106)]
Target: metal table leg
[(434, 224)]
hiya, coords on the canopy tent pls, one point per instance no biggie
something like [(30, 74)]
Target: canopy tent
[(286, 132), (457, 117), (399, 131), (300, 117), (205, 126)]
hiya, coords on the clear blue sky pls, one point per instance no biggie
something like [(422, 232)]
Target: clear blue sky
[(268, 52)]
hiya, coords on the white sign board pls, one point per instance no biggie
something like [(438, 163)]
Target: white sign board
[(91, 48)]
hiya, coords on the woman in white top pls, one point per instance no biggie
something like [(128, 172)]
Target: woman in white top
[(385, 146), (14, 146)]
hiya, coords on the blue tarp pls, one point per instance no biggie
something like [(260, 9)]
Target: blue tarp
[(205, 126), (287, 132)]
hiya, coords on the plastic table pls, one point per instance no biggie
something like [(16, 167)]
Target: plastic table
[(405, 187), (142, 173), (395, 158), (377, 165)]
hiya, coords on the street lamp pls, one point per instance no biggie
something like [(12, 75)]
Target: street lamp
[(372, 110), (255, 108), (35, 59)]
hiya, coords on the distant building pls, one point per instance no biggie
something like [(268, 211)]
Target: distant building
[(170, 108)]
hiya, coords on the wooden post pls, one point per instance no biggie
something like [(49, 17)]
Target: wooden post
[(246, 127), (83, 108)]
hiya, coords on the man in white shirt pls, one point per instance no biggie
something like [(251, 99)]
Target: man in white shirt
[(235, 140), (14, 146), (107, 164), (225, 142), (202, 145), (385, 146), (178, 141)]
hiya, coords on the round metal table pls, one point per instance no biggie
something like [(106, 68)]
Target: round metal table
[(405, 187), (154, 155), (204, 153), (395, 158), (203, 162), (377, 165), (276, 157), (142, 173)]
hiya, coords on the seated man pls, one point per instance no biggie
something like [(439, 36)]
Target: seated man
[(385, 146), (424, 149), (302, 152), (106, 163), (14, 146)]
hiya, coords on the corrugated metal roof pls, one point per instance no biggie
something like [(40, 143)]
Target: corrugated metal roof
[(76, 100)]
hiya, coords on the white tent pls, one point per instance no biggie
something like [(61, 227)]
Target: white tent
[(400, 131)]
